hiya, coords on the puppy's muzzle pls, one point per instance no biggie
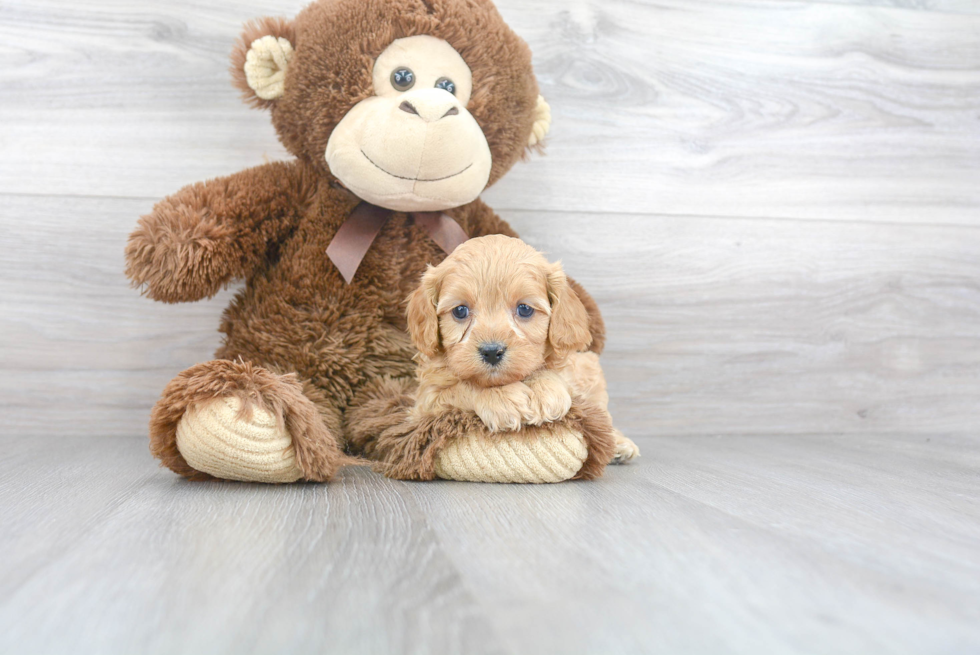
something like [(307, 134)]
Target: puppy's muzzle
[(492, 353)]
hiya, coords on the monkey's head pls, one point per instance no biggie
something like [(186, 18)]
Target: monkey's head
[(414, 105)]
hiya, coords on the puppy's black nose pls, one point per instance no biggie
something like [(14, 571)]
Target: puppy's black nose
[(492, 353)]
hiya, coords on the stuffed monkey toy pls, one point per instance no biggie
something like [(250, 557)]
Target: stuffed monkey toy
[(399, 113)]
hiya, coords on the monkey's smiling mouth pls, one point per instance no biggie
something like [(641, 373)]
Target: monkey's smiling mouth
[(415, 179)]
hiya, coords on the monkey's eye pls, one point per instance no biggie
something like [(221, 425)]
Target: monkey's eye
[(402, 79), (446, 84), (525, 311), (461, 312)]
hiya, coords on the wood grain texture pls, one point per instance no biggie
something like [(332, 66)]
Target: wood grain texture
[(720, 326), (816, 544), (715, 107), (777, 206), (107, 554), (716, 326), (943, 6)]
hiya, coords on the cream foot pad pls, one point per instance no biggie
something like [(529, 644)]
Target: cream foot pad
[(550, 455), (214, 440)]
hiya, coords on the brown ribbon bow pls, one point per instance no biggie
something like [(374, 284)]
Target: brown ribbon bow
[(354, 238)]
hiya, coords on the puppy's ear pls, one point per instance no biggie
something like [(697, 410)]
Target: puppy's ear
[(423, 321), (569, 328)]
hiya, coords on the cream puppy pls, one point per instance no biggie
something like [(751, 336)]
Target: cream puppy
[(501, 333)]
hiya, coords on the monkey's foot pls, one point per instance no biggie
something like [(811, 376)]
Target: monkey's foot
[(218, 438), (551, 453), (239, 421), (457, 445)]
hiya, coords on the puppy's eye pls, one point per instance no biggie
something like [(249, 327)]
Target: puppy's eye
[(461, 312), (403, 79), (525, 311), (446, 84)]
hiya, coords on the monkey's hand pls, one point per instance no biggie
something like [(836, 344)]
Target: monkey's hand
[(551, 397), (199, 239), (502, 409), (179, 252)]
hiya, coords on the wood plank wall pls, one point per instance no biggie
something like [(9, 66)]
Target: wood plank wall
[(776, 203)]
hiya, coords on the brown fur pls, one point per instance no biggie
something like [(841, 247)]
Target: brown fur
[(317, 453), (207, 234), (271, 226), (381, 404), (337, 42), (600, 437), (406, 450)]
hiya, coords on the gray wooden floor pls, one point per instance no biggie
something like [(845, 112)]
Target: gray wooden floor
[(776, 204), (815, 544)]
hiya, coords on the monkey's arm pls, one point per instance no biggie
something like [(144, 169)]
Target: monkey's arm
[(479, 220), (207, 234)]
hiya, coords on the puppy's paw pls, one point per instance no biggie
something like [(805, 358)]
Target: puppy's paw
[(550, 398), (502, 409), (625, 451)]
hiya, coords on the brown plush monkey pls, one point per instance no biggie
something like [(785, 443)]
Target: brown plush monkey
[(400, 110)]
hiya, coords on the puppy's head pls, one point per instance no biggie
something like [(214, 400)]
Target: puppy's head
[(497, 310)]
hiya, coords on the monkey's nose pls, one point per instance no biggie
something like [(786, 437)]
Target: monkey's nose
[(430, 105), (492, 353)]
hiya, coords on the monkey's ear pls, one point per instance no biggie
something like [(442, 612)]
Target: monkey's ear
[(423, 321), (542, 123), (568, 330), (260, 59)]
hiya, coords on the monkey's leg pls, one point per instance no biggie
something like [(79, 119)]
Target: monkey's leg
[(457, 445), (379, 425), (575, 447), (239, 421)]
